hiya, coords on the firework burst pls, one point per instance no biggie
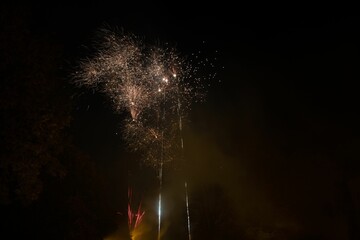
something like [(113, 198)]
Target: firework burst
[(155, 85), (147, 82)]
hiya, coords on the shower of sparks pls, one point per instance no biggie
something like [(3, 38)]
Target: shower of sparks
[(135, 77)]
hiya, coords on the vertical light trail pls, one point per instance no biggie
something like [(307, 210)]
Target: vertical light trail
[(187, 210), (161, 167), (159, 202), (182, 156)]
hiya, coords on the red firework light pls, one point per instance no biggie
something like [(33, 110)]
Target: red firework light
[(134, 218)]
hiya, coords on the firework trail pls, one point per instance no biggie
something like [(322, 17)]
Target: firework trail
[(182, 158), (187, 211), (161, 172), (159, 200), (135, 77)]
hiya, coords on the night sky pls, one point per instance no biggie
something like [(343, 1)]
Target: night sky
[(273, 152)]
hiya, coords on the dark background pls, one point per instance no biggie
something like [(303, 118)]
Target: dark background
[(271, 154)]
